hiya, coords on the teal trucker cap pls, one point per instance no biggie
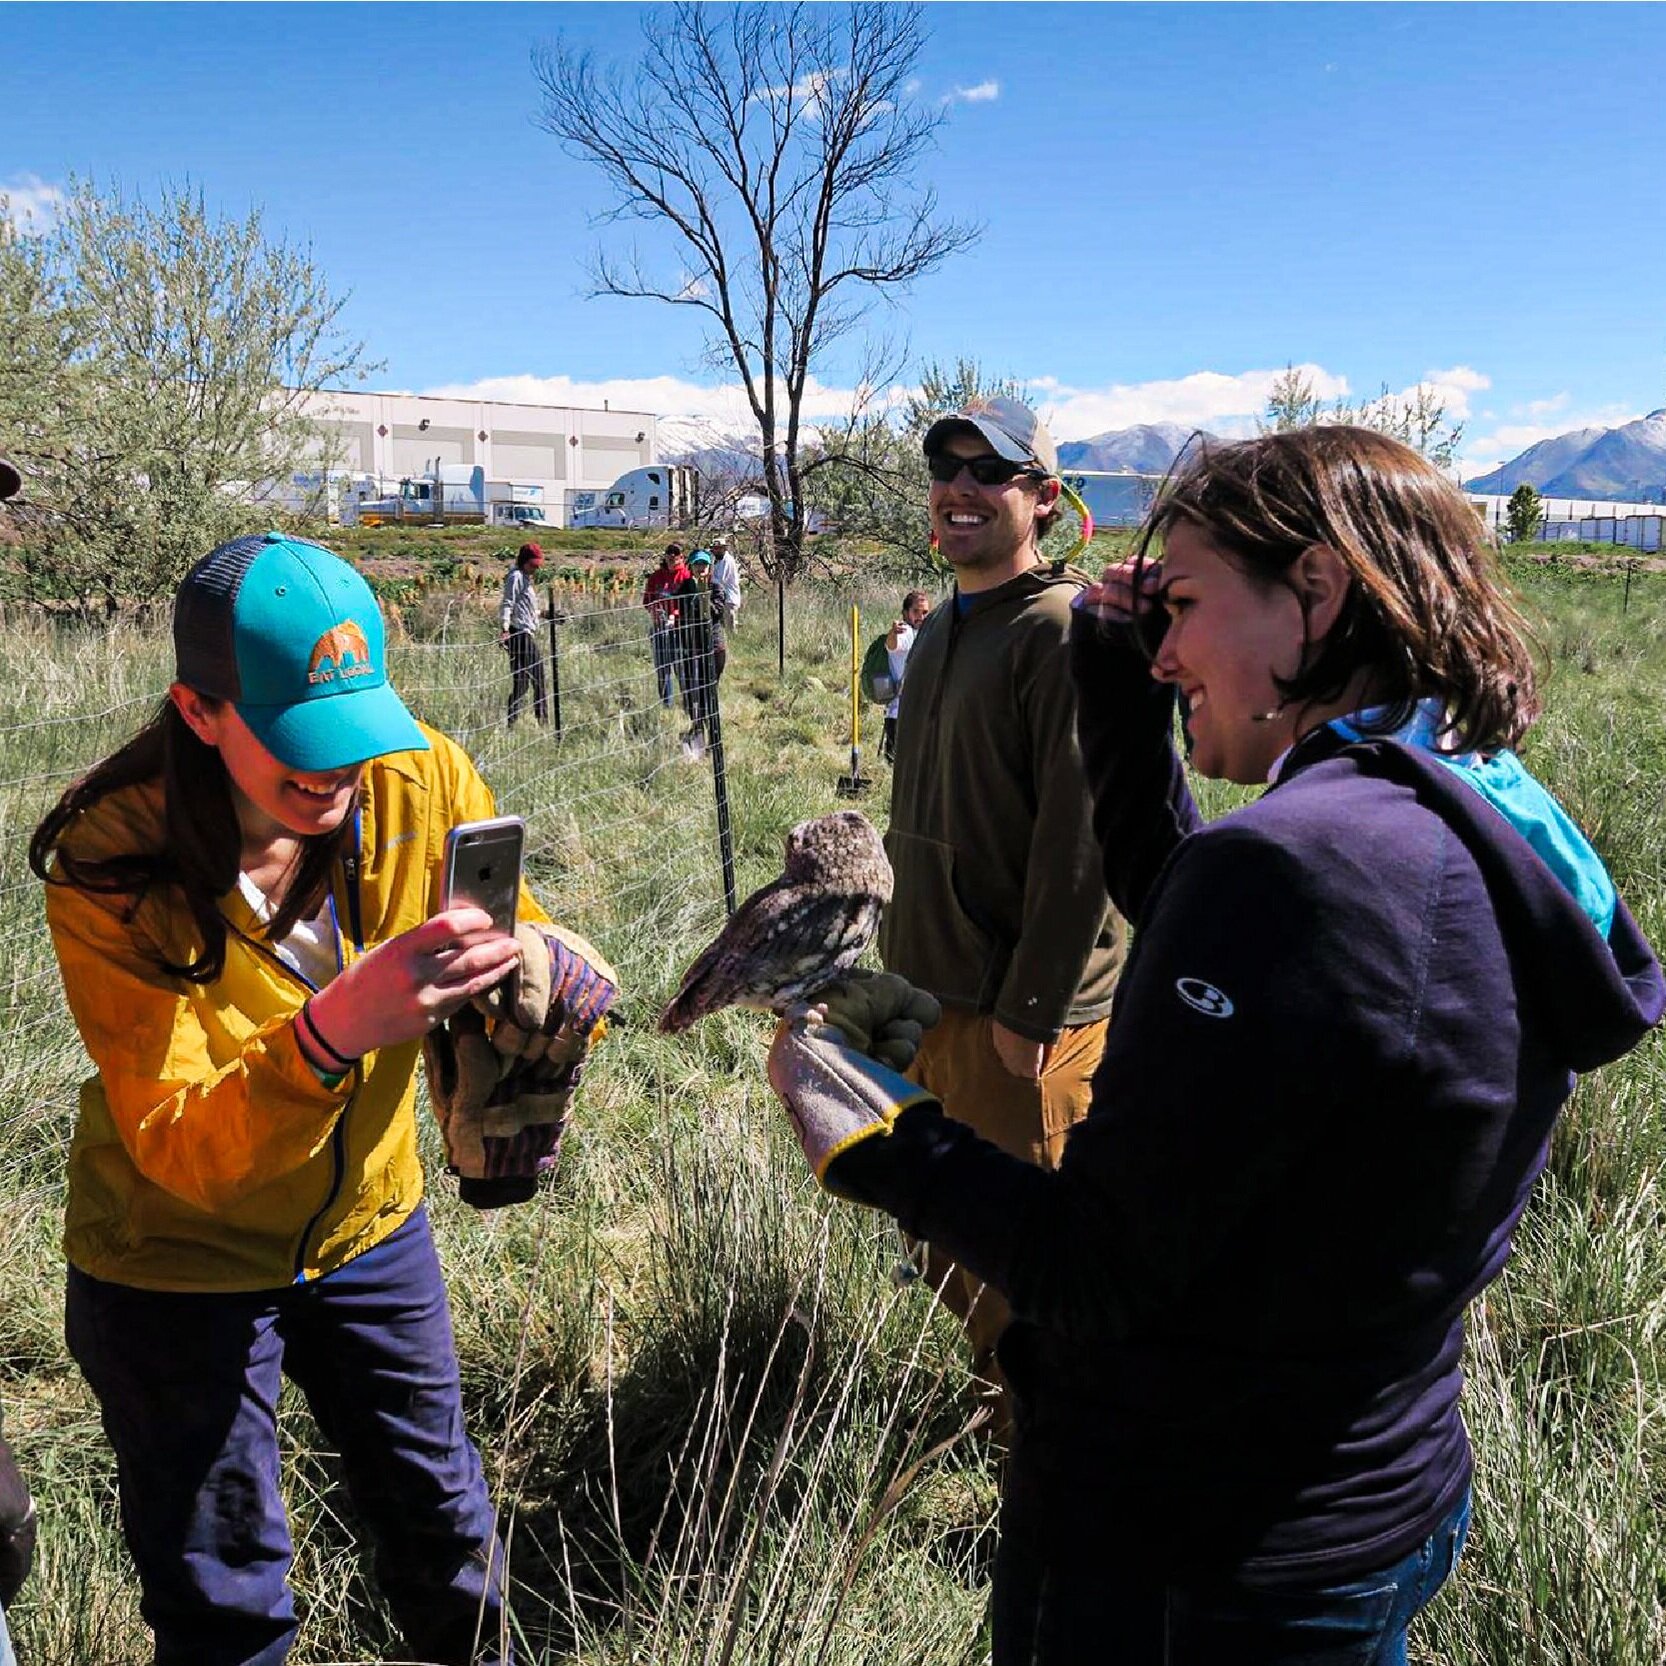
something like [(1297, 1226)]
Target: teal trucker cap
[(292, 636)]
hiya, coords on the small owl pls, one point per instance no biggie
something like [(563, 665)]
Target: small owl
[(802, 932)]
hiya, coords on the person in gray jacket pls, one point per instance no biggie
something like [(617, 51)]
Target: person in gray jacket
[(518, 628)]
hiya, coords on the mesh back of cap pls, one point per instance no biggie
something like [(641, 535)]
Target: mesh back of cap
[(205, 647)]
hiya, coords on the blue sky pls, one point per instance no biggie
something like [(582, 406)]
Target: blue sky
[(1178, 200)]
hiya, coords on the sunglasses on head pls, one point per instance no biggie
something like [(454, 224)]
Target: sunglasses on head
[(987, 471)]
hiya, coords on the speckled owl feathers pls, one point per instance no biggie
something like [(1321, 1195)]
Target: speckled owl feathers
[(798, 934)]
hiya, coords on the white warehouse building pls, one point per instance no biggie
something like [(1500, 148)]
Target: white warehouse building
[(562, 449)]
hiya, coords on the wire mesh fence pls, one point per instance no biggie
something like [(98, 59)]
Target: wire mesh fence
[(620, 797)]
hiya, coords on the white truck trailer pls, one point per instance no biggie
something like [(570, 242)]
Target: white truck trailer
[(459, 494), (661, 494)]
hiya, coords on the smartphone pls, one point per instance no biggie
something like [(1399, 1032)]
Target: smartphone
[(483, 867)]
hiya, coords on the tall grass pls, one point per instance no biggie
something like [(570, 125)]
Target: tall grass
[(719, 1431)]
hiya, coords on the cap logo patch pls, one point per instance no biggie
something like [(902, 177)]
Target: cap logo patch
[(339, 655)]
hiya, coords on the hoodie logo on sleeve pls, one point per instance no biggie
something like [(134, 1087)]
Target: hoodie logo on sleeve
[(1204, 997)]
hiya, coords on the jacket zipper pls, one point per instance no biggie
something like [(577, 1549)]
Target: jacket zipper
[(338, 1135)]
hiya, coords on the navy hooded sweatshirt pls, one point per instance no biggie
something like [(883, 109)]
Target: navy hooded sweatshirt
[(1352, 1012)]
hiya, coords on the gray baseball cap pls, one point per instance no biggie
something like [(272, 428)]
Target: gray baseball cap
[(1008, 426)]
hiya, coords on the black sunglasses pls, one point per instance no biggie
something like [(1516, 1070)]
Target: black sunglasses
[(987, 471)]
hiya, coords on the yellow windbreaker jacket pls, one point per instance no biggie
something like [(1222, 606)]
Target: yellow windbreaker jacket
[(208, 1155)]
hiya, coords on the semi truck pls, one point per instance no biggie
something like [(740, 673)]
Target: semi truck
[(660, 494), (458, 494)]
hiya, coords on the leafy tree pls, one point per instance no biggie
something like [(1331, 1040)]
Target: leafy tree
[(1418, 419), (1292, 402), (777, 145), (1524, 514), (156, 362)]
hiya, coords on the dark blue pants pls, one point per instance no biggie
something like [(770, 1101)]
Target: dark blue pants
[(664, 645), (188, 1387), (526, 675), (1051, 1614)]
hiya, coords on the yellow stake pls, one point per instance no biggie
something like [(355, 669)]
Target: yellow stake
[(855, 686)]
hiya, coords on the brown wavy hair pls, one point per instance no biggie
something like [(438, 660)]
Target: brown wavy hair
[(1428, 610), (202, 842)]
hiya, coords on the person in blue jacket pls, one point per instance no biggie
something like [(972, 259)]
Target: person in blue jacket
[(1352, 1012)]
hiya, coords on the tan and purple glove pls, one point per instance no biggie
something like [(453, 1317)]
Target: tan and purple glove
[(836, 1065), (502, 1073)]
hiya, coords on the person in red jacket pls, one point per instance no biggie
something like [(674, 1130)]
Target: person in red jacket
[(658, 598)]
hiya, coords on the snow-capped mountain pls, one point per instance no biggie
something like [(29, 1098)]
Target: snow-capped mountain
[(1148, 448), (1626, 463)]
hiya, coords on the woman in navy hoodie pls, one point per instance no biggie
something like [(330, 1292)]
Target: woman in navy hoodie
[(1352, 1012)]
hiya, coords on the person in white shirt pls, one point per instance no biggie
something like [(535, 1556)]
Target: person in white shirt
[(898, 640), (725, 583)]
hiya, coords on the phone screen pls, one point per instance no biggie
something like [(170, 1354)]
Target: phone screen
[(483, 867)]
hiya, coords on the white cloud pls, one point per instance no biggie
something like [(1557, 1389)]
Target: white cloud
[(985, 92), (689, 413), (30, 204), (1224, 404), (809, 93), (693, 413), (1454, 386)]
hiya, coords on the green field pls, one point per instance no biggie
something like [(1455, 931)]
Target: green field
[(718, 1429)]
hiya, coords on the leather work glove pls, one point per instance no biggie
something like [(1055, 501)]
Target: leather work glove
[(552, 1006), (837, 1093), (17, 1527), (501, 1090), (879, 1014)]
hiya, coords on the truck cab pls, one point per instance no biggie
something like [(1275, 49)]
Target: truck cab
[(657, 495), (521, 514)]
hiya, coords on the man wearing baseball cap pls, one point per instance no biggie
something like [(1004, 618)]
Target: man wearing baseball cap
[(725, 583), (1001, 910)]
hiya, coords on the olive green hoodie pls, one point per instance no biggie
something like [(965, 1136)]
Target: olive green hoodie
[(1000, 891)]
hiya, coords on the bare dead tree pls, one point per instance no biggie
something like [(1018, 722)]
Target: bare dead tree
[(778, 146)]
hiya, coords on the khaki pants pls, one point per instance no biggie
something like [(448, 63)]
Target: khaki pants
[(957, 1061)]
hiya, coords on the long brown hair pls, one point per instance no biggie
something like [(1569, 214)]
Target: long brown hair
[(201, 846), (1428, 611)]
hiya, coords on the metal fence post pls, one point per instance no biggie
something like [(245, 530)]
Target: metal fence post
[(709, 707), (781, 623), (555, 668)]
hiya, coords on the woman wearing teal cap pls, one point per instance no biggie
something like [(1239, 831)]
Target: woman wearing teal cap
[(240, 899)]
